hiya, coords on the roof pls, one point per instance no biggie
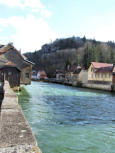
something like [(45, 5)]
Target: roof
[(5, 48), (79, 67), (72, 68), (100, 65), (1, 46), (29, 62)]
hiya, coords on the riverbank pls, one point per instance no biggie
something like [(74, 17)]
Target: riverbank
[(15, 133), (104, 87)]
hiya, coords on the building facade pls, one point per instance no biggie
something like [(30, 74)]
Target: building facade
[(100, 73), (9, 53)]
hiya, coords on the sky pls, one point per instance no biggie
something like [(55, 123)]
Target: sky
[(29, 24)]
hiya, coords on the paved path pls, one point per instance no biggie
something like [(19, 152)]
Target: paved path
[(15, 133)]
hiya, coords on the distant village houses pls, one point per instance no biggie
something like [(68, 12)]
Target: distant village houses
[(14, 67), (73, 73), (69, 76), (60, 74), (101, 73), (39, 75), (98, 76)]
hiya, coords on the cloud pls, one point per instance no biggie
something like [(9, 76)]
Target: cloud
[(13, 3), (29, 32), (32, 5), (1, 30)]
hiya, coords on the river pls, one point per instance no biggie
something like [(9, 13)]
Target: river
[(68, 119)]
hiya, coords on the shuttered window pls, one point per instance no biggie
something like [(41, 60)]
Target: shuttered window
[(27, 75)]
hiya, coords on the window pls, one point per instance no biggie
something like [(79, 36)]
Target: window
[(105, 75), (27, 75)]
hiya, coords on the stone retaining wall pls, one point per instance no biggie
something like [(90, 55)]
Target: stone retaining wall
[(15, 133), (97, 86)]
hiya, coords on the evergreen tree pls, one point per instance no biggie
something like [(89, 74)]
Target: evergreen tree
[(84, 39)]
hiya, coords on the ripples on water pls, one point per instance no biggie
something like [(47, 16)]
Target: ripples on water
[(70, 120)]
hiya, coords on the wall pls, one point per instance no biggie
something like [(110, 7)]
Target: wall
[(15, 57), (26, 80), (83, 76), (97, 86), (15, 133)]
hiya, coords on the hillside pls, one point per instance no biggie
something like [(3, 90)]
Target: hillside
[(70, 51)]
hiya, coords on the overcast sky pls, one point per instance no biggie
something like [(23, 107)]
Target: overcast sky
[(31, 23)]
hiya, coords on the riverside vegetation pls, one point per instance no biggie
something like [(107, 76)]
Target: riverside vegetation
[(70, 51)]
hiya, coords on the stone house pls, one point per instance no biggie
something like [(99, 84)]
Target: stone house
[(9, 54), (101, 73), (10, 72), (83, 76), (41, 75), (73, 73), (60, 74), (34, 75)]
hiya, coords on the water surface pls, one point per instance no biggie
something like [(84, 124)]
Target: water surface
[(70, 120)]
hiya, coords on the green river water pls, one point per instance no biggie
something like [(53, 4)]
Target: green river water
[(70, 120)]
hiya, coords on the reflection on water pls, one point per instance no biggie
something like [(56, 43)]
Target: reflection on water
[(70, 120)]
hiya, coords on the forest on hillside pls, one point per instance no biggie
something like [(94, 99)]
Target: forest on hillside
[(71, 51)]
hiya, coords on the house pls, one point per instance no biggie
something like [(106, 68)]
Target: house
[(83, 76), (73, 72), (113, 77), (34, 75), (101, 73), (12, 59), (60, 74), (9, 72), (41, 75)]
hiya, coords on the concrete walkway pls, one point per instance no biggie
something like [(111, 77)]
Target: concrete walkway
[(15, 133)]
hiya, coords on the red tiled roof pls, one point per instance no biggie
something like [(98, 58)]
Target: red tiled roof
[(100, 65), (6, 48)]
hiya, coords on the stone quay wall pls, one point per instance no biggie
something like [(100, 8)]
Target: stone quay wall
[(15, 133), (97, 86)]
